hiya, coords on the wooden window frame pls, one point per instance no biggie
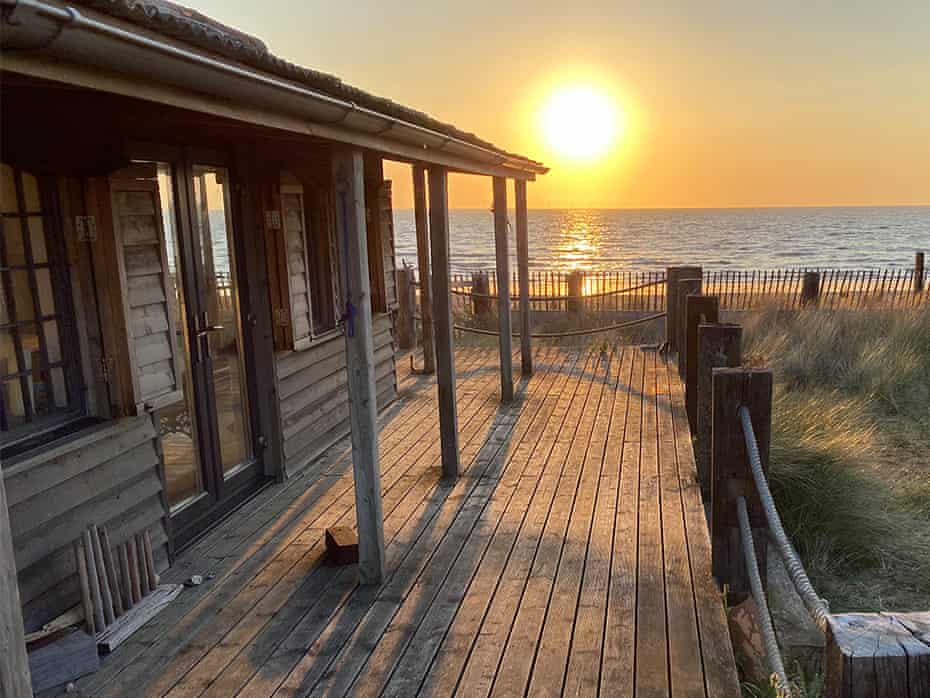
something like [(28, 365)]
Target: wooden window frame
[(56, 262), (317, 220)]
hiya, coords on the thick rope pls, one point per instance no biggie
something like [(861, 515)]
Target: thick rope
[(817, 607), (535, 299), (555, 335), (779, 675)]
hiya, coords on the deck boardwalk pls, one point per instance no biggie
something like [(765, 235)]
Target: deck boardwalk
[(570, 558)]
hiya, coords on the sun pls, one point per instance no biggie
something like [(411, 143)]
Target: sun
[(581, 122)]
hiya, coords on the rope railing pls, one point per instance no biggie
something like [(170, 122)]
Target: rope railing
[(576, 297), (556, 335), (816, 606), (770, 642)]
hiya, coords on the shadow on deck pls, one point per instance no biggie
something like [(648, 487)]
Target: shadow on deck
[(571, 557)]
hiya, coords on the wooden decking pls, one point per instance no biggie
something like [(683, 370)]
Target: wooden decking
[(571, 557)]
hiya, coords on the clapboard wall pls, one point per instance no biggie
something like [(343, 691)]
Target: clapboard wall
[(106, 476), (314, 397)]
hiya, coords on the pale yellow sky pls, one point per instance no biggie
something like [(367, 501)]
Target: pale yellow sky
[(727, 103)]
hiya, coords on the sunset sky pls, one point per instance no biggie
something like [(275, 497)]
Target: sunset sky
[(716, 103)]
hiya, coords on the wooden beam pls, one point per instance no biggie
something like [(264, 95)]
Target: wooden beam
[(421, 221), (14, 664), (96, 78), (349, 182), (442, 315), (523, 273), (502, 255)]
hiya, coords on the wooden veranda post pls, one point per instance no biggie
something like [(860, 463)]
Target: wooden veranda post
[(14, 664), (442, 315), (349, 181), (731, 473), (523, 274), (502, 255), (421, 221), (698, 309), (672, 276), (719, 345)]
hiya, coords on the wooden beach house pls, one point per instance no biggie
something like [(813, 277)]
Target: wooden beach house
[(197, 267)]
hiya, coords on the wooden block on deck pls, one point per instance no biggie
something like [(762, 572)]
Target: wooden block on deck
[(60, 658), (140, 614), (878, 654), (342, 545)]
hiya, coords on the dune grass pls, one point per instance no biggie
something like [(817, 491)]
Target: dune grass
[(850, 458)]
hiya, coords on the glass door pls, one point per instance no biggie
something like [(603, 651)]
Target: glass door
[(210, 457)]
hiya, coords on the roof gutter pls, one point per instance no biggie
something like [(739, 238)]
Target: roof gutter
[(67, 33)]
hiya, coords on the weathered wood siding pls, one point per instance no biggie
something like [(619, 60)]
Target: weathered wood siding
[(108, 476), (314, 395)]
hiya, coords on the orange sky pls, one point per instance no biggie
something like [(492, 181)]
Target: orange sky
[(728, 104)]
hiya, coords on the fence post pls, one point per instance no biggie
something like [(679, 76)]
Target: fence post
[(731, 474), (575, 305), (406, 302), (672, 277), (719, 345), (810, 288), (918, 272), (698, 309), (480, 290), (686, 287)]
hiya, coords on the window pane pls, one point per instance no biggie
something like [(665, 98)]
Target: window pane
[(13, 237), (29, 339), (46, 295), (7, 190), (8, 362), (52, 341), (22, 295), (14, 412), (58, 383), (37, 239), (31, 192), (5, 315)]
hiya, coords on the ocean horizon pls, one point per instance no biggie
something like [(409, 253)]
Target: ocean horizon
[(770, 237)]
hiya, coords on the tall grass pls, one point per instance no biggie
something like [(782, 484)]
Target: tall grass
[(850, 458)]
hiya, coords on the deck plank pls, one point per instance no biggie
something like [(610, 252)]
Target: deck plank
[(651, 627), (571, 557), (517, 662)]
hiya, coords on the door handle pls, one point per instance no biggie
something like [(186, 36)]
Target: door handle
[(210, 328)]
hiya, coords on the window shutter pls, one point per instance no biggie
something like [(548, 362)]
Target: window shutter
[(298, 269), (387, 243), (147, 288)]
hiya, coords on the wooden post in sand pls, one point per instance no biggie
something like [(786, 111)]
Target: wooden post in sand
[(810, 288), (686, 287), (699, 309), (672, 276), (731, 473), (718, 346), (918, 272)]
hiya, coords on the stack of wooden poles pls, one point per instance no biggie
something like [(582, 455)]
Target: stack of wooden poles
[(108, 593)]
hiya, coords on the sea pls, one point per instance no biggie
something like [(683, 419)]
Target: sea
[(652, 239)]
